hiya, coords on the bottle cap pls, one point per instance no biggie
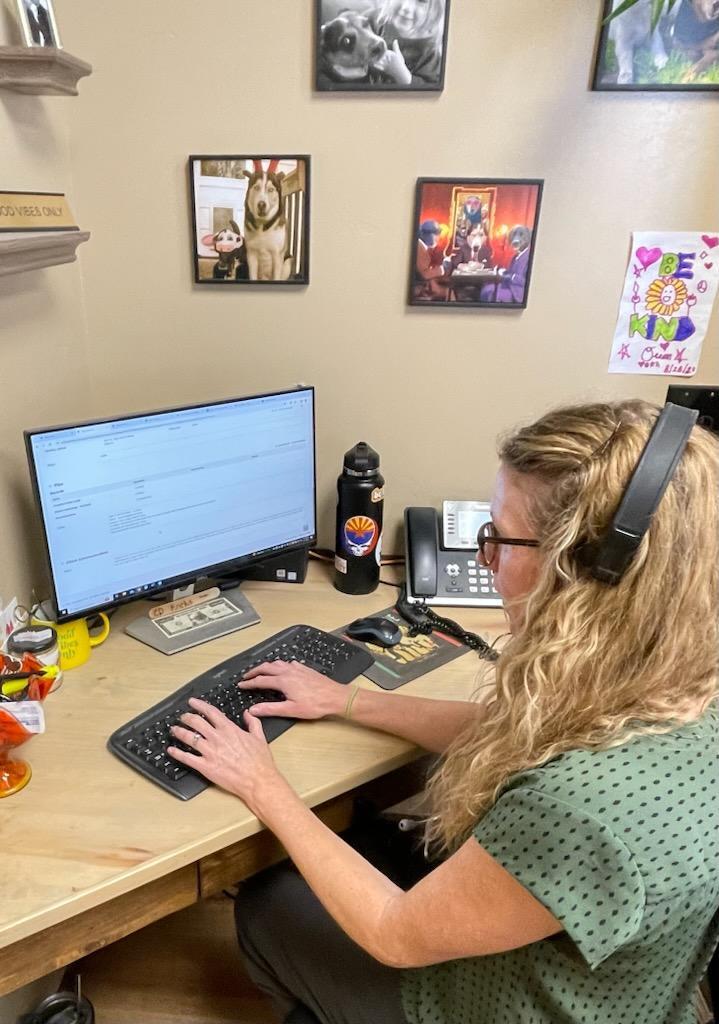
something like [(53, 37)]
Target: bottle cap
[(361, 460)]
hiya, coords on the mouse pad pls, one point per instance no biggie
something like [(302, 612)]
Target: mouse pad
[(410, 658)]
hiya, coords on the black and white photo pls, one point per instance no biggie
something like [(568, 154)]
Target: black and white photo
[(380, 45)]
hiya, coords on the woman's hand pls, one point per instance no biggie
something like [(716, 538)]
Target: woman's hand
[(308, 694), (238, 761), (392, 64)]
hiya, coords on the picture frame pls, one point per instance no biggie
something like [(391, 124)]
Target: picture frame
[(473, 242), (680, 55), (250, 219), (373, 46), (37, 21)]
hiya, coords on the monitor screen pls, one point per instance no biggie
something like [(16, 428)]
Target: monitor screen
[(142, 503)]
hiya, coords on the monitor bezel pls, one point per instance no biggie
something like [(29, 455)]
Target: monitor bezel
[(226, 568)]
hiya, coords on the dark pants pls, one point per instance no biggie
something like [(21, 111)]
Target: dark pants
[(298, 955)]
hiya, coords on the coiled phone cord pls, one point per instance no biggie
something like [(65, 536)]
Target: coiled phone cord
[(423, 619)]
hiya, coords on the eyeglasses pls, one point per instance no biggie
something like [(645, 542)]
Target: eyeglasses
[(487, 534)]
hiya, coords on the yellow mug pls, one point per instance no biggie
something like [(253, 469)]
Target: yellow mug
[(75, 641)]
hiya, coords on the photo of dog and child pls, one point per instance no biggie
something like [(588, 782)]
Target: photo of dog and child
[(251, 219), (659, 44), (473, 241), (380, 44)]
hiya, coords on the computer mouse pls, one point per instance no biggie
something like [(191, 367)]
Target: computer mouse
[(375, 630)]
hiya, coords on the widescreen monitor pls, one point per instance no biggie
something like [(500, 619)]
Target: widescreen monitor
[(139, 504)]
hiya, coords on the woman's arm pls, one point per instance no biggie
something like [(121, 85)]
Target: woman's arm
[(469, 906), (431, 724)]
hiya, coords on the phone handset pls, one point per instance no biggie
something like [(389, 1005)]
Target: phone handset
[(421, 543)]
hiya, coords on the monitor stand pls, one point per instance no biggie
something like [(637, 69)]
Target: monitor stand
[(188, 619)]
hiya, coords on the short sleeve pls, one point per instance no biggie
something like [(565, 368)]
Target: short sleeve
[(572, 863)]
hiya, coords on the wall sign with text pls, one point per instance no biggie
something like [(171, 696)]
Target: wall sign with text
[(669, 291)]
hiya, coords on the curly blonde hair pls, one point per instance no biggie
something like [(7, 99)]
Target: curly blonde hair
[(594, 665)]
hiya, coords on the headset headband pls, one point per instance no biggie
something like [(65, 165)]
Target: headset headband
[(610, 556)]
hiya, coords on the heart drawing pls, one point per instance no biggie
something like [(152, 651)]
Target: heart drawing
[(710, 240), (648, 256), (708, 265)]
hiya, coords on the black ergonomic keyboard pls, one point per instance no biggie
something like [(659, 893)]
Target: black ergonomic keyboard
[(142, 743)]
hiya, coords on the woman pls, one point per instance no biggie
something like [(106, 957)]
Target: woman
[(577, 811)]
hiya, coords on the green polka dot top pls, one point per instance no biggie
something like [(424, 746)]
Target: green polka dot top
[(621, 846)]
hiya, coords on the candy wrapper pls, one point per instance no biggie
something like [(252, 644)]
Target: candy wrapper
[(24, 683)]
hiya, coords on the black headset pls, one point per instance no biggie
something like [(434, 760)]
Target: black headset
[(609, 557)]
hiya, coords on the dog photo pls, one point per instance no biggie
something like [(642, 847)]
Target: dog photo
[(380, 45), (37, 20), (473, 241), (658, 44), (250, 219)]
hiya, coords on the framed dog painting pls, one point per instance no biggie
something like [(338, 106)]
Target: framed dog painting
[(380, 45), (473, 241), (251, 219), (658, 44)]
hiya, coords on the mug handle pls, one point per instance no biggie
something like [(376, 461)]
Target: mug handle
[(103, 635)]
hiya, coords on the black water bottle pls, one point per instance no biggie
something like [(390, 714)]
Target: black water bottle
[(360, 502)]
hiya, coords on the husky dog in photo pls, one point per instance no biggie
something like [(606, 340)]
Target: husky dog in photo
[(265, 226)]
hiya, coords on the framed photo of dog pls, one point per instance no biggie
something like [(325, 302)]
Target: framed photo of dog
[(251, 219), (380, 45), (658, 45), (473, 242)]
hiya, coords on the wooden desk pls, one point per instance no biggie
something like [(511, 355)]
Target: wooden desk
[(91, 851)]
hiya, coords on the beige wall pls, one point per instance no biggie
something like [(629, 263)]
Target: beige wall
[(126, 329)]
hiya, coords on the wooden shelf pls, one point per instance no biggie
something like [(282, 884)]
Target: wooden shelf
[(41, 70), (31, 250)]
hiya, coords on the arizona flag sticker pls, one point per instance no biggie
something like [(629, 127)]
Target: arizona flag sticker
[(360, 535)]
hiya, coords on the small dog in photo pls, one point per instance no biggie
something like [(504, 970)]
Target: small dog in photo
[(349, 47), (265, 226), (231, 256)]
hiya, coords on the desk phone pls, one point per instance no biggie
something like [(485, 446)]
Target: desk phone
[(447, 573)]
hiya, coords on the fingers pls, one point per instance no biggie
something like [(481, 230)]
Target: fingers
[(395, 47), (260, 683), (254, 727), (267, 708), (210, 714), (186, 735), (185, 757), (196, 723)]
